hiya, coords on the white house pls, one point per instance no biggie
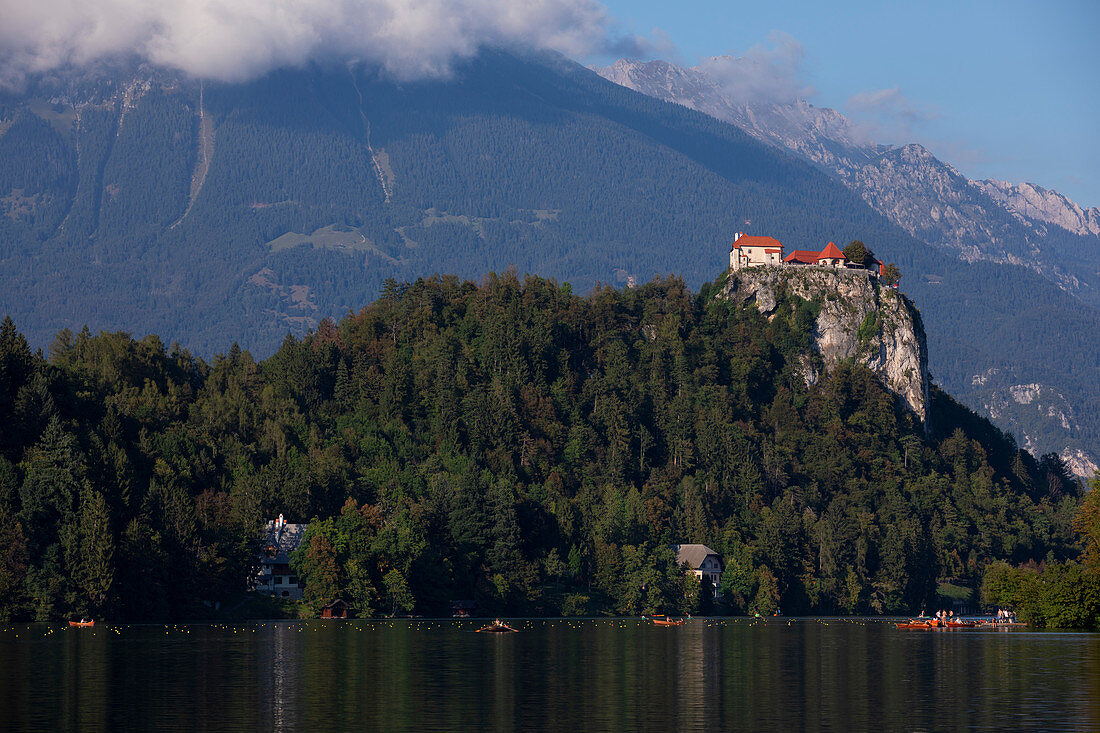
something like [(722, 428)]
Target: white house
[(702, 561), (751, 251), (276, 577)]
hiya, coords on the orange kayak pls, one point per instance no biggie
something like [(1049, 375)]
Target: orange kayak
[(82, 623)]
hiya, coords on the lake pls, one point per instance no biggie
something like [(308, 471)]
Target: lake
[(558, 674)]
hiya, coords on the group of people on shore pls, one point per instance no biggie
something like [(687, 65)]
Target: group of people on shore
[(945, 617), (1005, 617)]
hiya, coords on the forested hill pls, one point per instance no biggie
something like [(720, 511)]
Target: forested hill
[(510, 442), (137, 199)]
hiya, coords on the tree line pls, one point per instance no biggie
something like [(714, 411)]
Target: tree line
[(510, 442)]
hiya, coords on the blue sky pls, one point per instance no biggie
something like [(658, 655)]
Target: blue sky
[(1007, 90)]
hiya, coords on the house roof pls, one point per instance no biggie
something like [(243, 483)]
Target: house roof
[(831, 252), (802, 255), (693, 555), (287, 541), (750, 240)]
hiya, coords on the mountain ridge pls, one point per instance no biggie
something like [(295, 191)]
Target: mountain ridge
[(814, 132)]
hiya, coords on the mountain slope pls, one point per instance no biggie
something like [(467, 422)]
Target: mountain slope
[(140, 200)]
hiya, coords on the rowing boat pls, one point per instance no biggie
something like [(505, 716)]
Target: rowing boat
[(497, 627), (82, 623), (666, 621)]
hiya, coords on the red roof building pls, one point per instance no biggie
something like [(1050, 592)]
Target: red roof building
[(831, 256), (831, 252), (802, 257), (750, 251)]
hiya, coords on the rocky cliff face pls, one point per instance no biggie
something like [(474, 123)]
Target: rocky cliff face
[(858, 319), (1029, 201)]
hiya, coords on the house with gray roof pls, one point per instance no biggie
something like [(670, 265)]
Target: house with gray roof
[(276, 578), (702, 561)]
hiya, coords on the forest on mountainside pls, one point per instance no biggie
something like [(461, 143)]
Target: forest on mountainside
[(510, 442), (531, 161)]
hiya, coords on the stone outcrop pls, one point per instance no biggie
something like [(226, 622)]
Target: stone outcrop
[(859, 319)]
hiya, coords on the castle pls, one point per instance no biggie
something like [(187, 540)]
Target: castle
[(753, 251)]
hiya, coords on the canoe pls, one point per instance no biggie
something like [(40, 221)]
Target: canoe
[(82, 623), (961, 625)]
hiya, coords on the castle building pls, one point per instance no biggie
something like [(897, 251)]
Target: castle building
[(751, 251)]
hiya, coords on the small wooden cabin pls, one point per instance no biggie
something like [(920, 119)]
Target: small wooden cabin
[(337, 609)]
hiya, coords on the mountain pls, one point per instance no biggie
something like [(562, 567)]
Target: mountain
[(135, 198), (1020, 225)]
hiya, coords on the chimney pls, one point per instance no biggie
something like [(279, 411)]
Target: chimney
[(738, 236)]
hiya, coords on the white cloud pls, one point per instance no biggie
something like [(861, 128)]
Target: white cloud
[(765, 73), (234, 40), (890, 115)]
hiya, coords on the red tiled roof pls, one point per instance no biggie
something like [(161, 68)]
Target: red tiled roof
[(831, 252), (749, 240), (802, 255)]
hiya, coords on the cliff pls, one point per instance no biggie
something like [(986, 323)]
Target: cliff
[(857, 319)]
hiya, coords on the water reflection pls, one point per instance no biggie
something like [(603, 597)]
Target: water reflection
[(558, 674)]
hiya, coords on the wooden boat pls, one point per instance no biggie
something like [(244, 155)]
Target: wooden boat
[(666, 621), (961, 625), (497, 627), (82, 623), (923, 624)]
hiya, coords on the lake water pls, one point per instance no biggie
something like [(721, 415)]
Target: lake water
[(607, 675)]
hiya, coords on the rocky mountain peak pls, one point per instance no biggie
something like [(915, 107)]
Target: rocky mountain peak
[(1035, 202)]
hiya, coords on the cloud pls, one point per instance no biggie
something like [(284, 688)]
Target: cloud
[(765, 73), (889, 114), (658, 45), (234, 40)]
